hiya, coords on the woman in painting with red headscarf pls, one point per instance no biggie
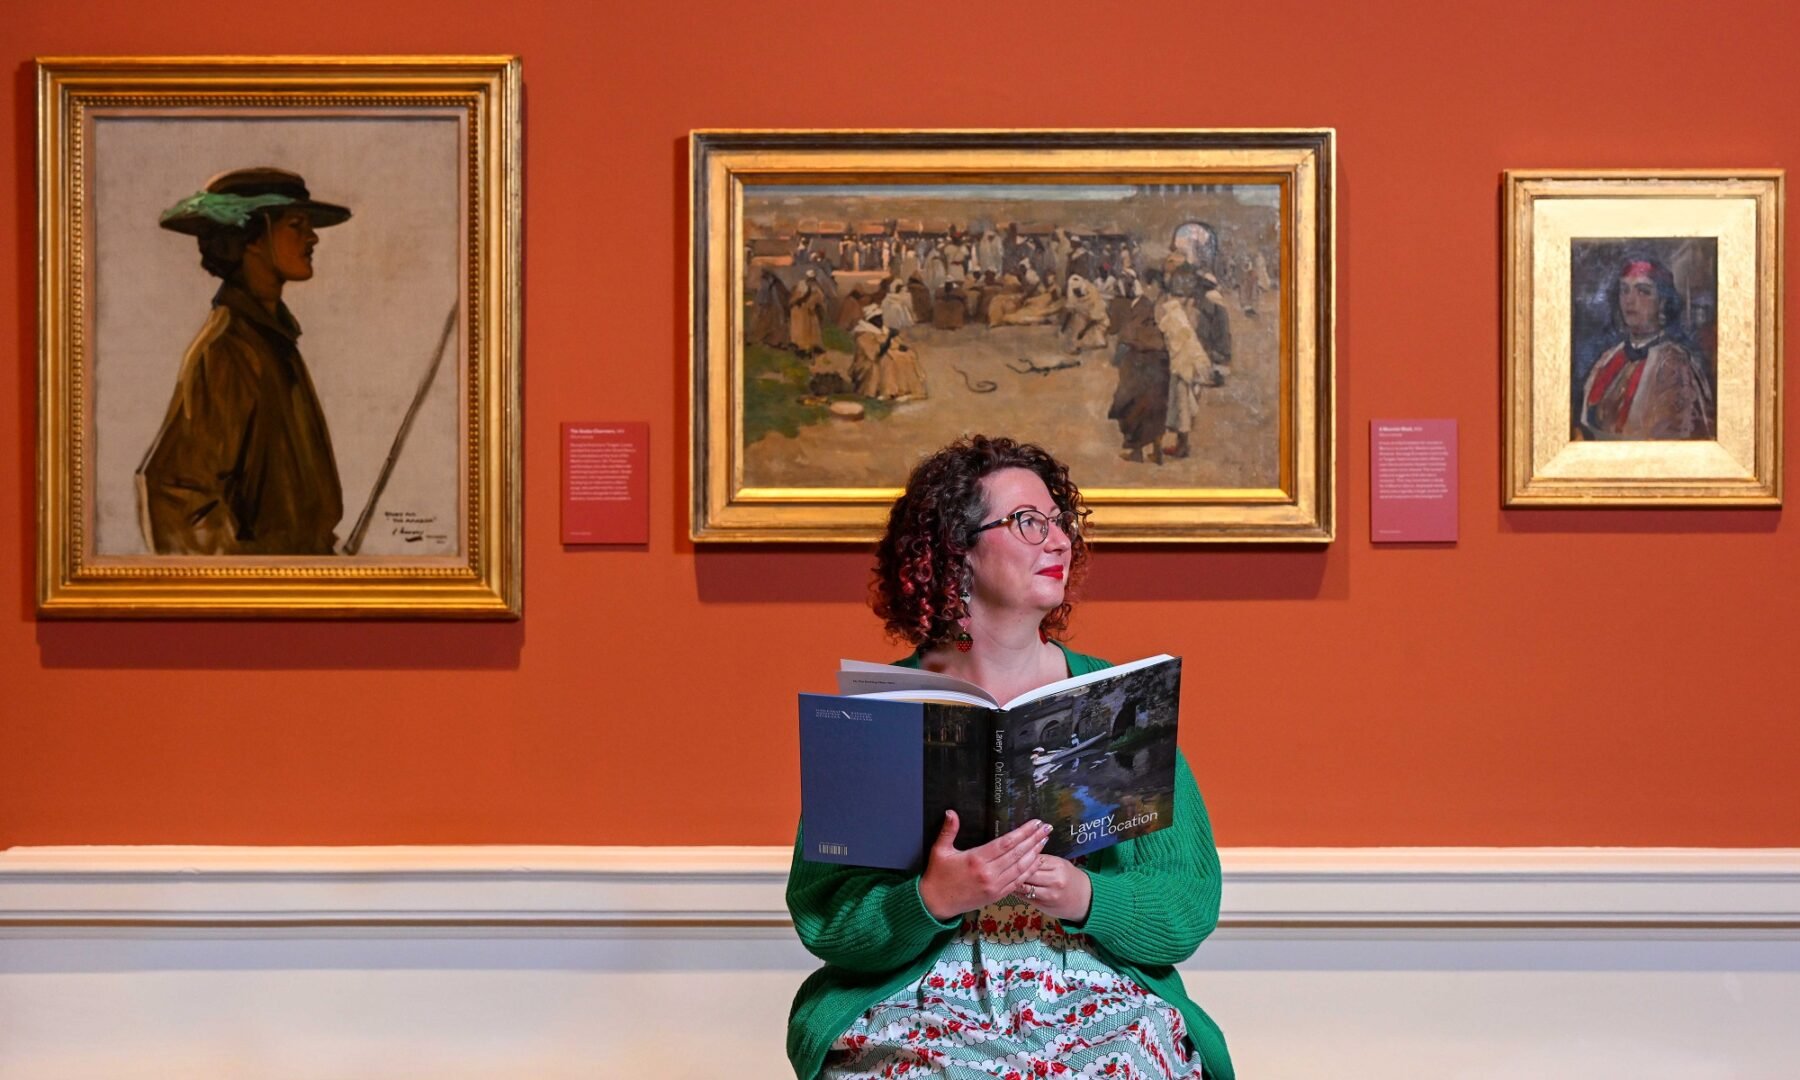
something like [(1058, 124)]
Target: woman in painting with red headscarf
[(1653, 383)]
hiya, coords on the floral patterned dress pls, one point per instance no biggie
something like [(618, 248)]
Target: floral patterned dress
[(1013, 996)]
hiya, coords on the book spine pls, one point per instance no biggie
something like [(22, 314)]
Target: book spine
[(997, 823)]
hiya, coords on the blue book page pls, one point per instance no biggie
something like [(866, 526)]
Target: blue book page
[(862, 781)]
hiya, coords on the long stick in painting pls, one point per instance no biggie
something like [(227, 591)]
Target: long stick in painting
[(387, 467)]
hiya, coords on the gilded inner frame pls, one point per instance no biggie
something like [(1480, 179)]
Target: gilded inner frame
[(1575, 242), (392, 488), (797, 439)]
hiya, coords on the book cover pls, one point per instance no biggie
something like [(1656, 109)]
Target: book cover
[(1093, 755)]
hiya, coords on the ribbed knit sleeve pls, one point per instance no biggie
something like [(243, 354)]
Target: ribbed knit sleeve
[(859, 918), (1157, 898)]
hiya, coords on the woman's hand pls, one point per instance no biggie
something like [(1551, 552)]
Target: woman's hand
[(1059, 888), (958, 881)]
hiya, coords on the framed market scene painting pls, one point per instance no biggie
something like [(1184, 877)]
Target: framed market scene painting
[(1154, 307)]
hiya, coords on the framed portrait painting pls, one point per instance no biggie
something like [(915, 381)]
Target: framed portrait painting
[(1153, 307), (1643, 338), (279, 337)]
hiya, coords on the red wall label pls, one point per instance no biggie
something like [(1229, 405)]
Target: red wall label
[(1412, 481), (606, 482)]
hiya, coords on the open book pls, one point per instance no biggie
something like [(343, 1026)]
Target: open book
[(882, 760)]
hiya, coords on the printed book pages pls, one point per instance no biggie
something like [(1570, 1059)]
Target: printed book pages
[(881, 760)]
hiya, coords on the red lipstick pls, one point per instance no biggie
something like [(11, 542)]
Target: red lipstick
[(1052, 571)]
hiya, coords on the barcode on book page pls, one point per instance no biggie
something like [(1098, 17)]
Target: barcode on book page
[(834, 849)]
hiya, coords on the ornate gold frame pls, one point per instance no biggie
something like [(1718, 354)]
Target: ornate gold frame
[(485, 582), (1300, 509), (1541, 464)]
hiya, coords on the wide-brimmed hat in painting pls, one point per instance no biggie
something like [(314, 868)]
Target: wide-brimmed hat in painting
[(228, 200)]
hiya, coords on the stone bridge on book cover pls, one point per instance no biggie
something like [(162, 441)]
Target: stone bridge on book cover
[(1060, 726)]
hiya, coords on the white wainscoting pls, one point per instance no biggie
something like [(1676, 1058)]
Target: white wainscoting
[(679, 963)]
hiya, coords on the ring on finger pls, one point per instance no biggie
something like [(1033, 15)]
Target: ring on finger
[(1030, 892)]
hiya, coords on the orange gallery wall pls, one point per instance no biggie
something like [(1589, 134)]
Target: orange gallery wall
[(1554, 678)]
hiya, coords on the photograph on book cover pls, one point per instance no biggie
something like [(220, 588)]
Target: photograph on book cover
[(1097, 763), (1153, 307), (280, 362), (1644, 338)]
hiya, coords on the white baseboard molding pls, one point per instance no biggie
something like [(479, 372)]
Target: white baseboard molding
[(482, 963), (742, 887)]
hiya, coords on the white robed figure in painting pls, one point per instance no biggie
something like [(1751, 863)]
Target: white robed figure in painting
[(1189, 369), (1084, 320), (884, 367), (897, 306)]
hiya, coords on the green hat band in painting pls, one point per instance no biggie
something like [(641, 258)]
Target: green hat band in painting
[(228, 200), (223, 208)]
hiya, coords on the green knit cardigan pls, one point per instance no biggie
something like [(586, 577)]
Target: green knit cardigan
[(1155, 899)]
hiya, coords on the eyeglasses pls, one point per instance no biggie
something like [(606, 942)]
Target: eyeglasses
[(1033, 527)]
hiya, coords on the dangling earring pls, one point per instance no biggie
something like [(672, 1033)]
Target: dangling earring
[(963, 641)]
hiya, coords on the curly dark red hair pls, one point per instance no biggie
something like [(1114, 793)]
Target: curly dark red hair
[(919, 562)]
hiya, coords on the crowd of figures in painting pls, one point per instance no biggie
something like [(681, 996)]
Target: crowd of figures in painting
[(1158, 317)]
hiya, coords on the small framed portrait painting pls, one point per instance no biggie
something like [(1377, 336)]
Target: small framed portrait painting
[(1644, 338)]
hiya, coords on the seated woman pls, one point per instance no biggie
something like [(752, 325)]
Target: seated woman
[(999, 960)]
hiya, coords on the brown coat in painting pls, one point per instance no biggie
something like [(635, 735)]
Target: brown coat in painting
[(948, 309), (806, 310), (884, 367), (923, 309), (769, 325), (1141, 400), (850, 308), (243, 463)]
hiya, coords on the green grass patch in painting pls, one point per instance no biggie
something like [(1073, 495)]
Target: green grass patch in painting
[(775, 381)]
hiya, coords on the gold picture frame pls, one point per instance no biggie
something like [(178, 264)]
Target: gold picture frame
[(1671, 398), (799, 434), (190, 462)]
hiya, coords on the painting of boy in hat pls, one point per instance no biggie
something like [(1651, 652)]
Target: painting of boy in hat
[(242, 463)]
